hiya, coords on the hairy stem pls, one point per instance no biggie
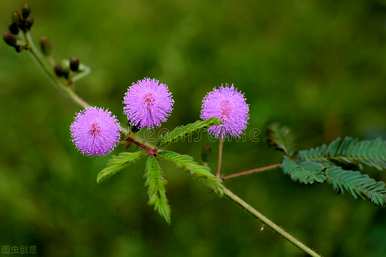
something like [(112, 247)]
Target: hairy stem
[(219, 156), (232, 196), (252, 171)]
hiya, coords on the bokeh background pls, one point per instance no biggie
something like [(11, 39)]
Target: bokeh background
[(317, 66)]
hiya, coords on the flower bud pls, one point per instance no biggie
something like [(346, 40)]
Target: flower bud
[(61, 72), (134, 129), (45, 46), (10, 39), (25, 11), (74, 64), (13, 28), (28, 23)]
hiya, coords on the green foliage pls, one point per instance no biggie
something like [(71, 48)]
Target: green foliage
[(281, 138), (156, 191), (183, 131), (117, 163), (306, 172), (324, 164), (200, 171), (352, 151), (358, 184)]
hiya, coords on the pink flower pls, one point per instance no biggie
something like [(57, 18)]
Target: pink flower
[(148, 103), (95, 131), (229, 105)]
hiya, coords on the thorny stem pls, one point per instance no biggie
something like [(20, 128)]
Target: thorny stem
[(269, 223), (150, 149), (219, 156), (252, 171)]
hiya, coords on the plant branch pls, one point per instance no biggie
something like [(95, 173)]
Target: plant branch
[(150, 149), (252, 171), (147, 147), (219, 156), (232, 196), (49, 71)]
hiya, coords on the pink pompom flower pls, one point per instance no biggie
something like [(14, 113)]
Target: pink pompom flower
[(95, 131), (148, 103), (229, 105)]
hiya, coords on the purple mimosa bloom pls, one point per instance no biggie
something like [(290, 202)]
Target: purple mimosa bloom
[(148, 103), (95, 131), (229, 105)]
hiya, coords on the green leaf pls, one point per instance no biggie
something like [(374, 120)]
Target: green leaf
[(358, 184), (306, 172), (156, 188), (183, 131), (281, 138), (350, 151), (197, 170), (117, 163)]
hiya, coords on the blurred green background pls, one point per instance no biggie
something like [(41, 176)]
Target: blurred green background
[(316, 66)]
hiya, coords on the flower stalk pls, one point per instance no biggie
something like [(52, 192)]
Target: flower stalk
[(219, 156)]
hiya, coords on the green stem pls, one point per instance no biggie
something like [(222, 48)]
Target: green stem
[(219, 156), (32, 49), (85, 70), (251, 171), (269, 223)]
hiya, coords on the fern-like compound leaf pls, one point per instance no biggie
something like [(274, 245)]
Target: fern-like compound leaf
[(182, 132), (156, 190), (307, 172), (356, 183), (351, 151), (281, 138), (117, 163), (203, 172)]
